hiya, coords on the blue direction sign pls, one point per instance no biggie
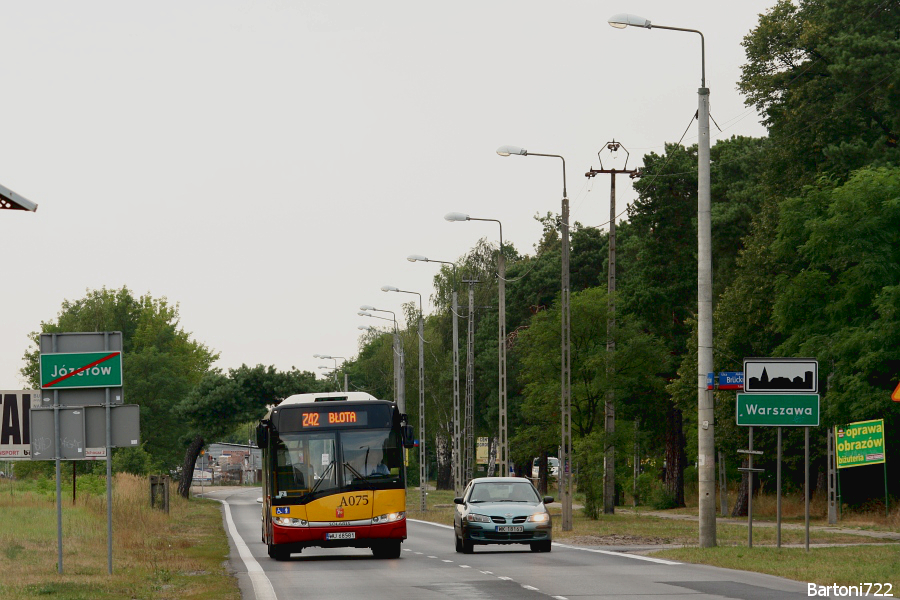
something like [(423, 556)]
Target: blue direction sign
[(731, 380)]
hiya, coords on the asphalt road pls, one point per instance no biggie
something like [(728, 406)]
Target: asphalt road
[(430, 568)]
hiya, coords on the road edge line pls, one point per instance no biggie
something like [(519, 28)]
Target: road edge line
[(262, 587)]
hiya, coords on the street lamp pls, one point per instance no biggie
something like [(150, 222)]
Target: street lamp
[(333, 372), (399, 356), (334, 358), (422, 473), (705, 414), (565, 477), (503, 451), (455, 452)]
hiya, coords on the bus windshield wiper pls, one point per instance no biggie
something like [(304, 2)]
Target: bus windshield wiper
[(322, 477), (359, 475)]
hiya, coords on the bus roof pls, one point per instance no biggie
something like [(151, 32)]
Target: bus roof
[(326, 397)]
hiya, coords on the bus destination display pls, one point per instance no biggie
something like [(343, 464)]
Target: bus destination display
[(335, 418)]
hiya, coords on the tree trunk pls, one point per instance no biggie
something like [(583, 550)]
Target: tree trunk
[(820, 487), (444, 470), (187, 470), (675, 455)]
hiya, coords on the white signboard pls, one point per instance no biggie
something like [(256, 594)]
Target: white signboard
[(15, 429), (781, 375)]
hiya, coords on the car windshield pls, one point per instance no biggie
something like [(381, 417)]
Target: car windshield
[(504, 492)]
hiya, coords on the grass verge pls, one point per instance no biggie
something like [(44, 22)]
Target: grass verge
[(180, 555)]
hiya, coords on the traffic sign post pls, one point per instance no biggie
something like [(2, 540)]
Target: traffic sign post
[(780, 392), (78, 370)]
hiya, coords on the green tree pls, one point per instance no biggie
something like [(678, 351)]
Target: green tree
[(640, 361), (161, 361), (219, 403), (841, 302), (825, 76)]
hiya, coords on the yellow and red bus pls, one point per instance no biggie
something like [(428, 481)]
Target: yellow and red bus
[(333, 474)]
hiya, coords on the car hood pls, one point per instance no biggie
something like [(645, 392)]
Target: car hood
[(502, 508)]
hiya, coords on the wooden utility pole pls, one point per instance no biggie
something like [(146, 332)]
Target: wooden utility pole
[(609, 455)]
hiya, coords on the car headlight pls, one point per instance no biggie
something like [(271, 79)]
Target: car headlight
[(388, 518), (289, 522), (539, 518), (472, 517)]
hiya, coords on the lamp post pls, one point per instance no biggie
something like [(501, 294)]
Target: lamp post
[(455, 453), (334, 358), (565, 430), (330, 371), (705, 420), (503, 451), (422, 472), (399, 357)]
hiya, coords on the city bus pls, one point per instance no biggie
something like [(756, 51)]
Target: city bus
[(333, 474)]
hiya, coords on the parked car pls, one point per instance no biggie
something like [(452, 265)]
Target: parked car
[(502, 510), (552, 467)]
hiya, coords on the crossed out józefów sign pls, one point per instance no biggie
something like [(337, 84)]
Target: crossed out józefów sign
[(81, 370)]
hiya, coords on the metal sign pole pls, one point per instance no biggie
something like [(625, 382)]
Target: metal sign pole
[(778, 493), (58, 482), (56, 448), (109, 532), (750, 492), (806, 481)]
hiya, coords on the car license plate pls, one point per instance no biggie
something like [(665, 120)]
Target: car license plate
[(510, 529), (341, 535)]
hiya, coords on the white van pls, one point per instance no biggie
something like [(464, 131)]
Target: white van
[(552, 467)]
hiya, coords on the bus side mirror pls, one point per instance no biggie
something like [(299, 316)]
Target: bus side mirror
[(409, 437), (262, 435)]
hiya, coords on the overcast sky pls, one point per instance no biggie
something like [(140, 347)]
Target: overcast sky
[(268, 165)]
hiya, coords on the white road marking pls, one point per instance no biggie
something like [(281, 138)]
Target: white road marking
[(530, 587), (445, 560), (504, 578), (622, 554), (464, 567), (262, 587)]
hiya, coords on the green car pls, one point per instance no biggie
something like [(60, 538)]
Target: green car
[(502, 510)]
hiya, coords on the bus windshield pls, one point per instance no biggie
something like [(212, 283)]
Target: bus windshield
[(321, 461)]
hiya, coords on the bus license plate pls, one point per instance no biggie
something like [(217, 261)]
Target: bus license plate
[(510, 529), (341, 535)]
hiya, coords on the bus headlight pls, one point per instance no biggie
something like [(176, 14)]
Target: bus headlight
[(289, 522), (388, 518), (539, 518)]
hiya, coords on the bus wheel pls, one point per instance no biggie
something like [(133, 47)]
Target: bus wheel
[(278, 552), (388, 549)]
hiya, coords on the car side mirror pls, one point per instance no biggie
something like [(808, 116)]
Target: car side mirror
[(458, 501), (548, 499)]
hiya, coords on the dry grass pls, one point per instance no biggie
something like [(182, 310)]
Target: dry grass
[(155, 555)]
